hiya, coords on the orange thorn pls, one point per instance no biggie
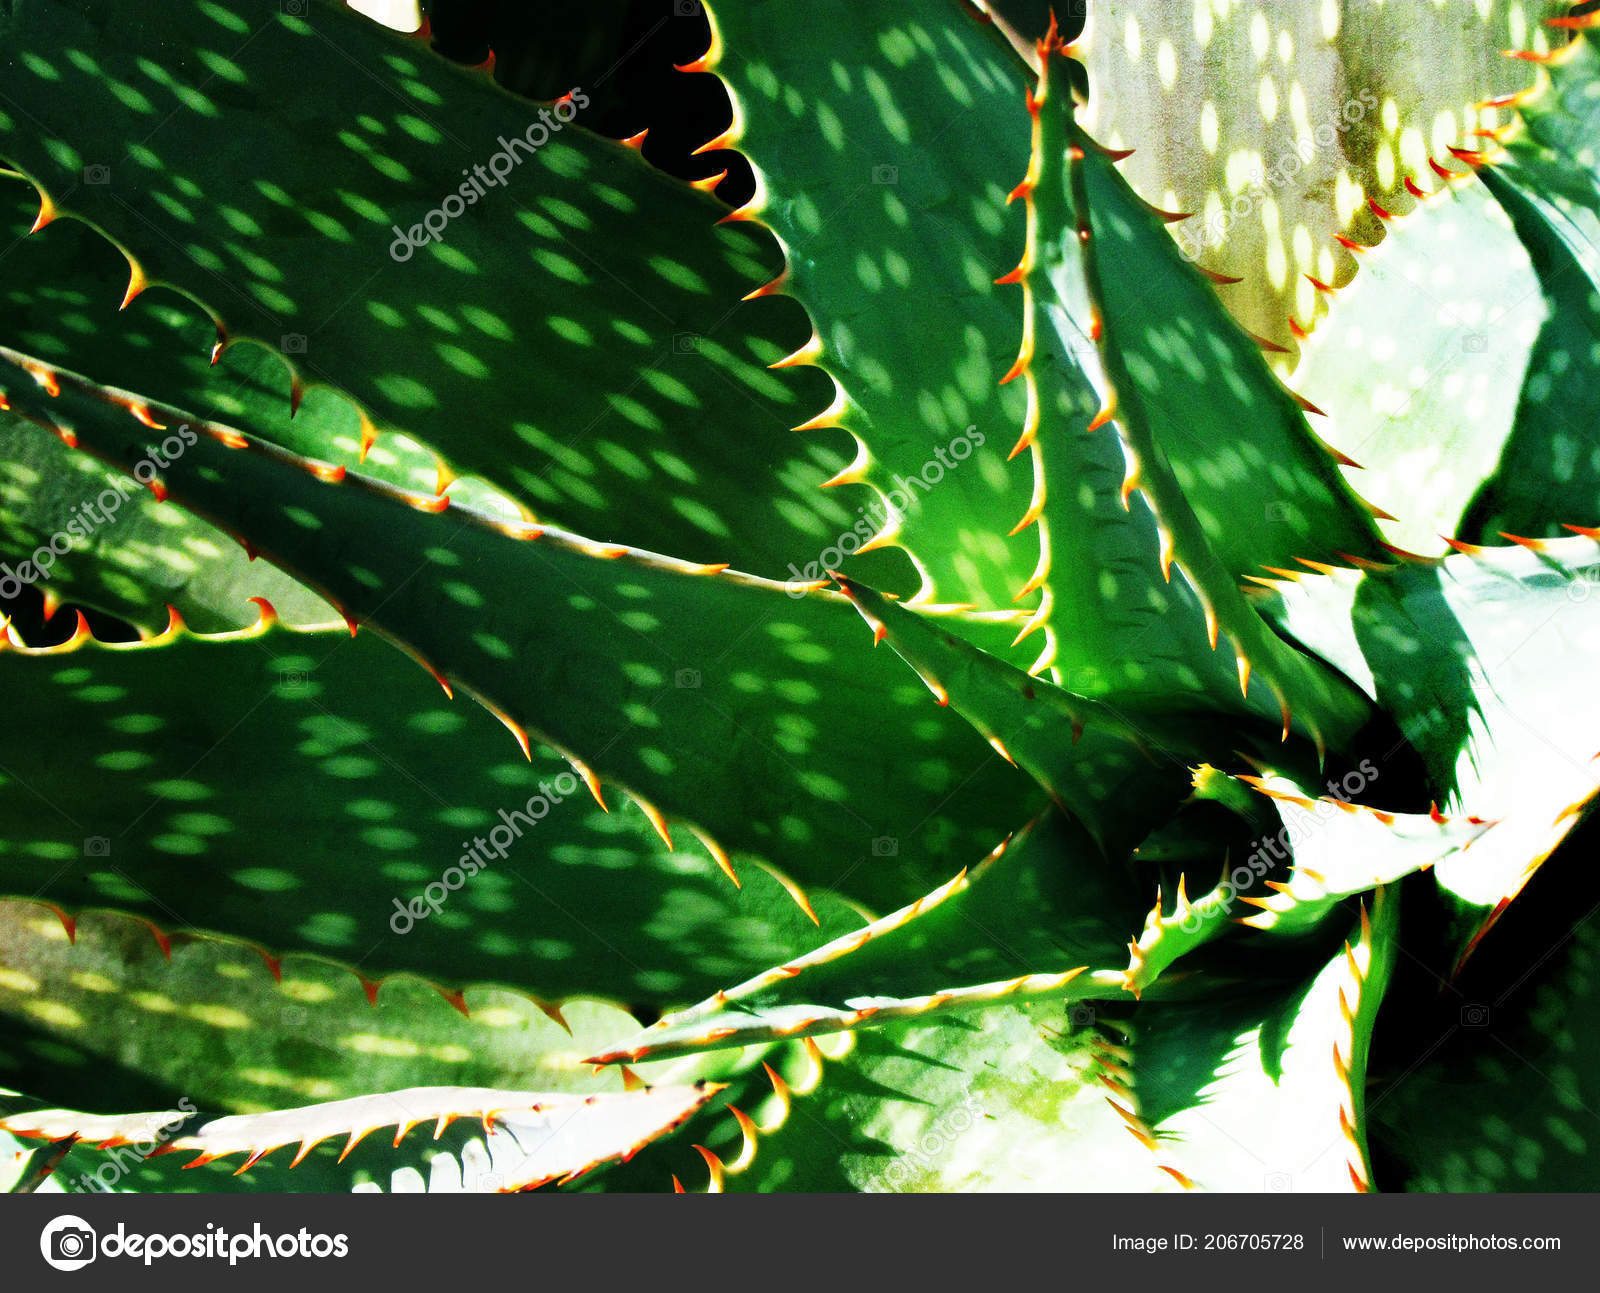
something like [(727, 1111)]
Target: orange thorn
[(1470, 156), (68, 923), (653, 815), (727, 139), (769, 289), (1130, 482), (809, 353), (1020, 366), (1107, 411), (1168, 217), (47, 213), (137, 282)]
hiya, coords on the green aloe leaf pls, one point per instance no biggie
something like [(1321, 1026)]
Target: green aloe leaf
[(62, 289), (1274, 125), (1548, 474), (1264, 1088), (1261, 1091), (314, 793), (1327, 850), (1009, 1101), (769, 701), (1482, 414), (34, 1167), (115, 1021), (1099, 759), (883, 170), (1425, 410), (1468, 655), (1491, 1085), (1161, 351), (958, 948), (1194, 393), (1113, 619), (135, 558), (543, 1137), (639, 420)]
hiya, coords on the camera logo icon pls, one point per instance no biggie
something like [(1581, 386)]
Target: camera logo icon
[(68, 1243), (885, 846)]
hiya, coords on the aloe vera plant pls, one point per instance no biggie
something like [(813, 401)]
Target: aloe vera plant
[(878, 687)]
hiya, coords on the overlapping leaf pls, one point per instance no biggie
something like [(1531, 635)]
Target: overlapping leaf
[(314, 793), (960, 947), (542, 1136), (110, 1023), (125, 554), (574, 332), (904, 141), (1470, 656), (764, 711)]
